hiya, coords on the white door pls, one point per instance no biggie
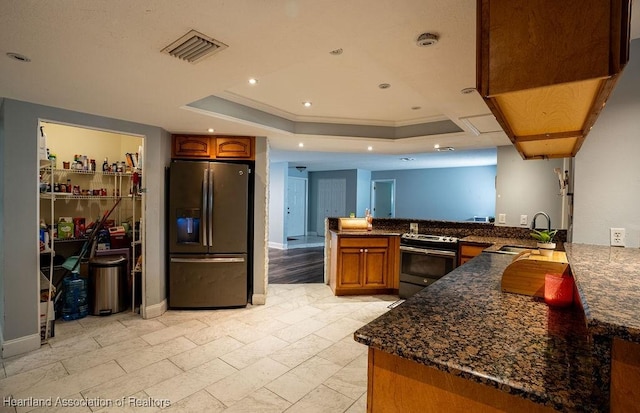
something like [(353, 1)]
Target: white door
[(296, 206), (382, 199), (332, 198)]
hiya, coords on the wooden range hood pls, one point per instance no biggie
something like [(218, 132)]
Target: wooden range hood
[(545, 68)]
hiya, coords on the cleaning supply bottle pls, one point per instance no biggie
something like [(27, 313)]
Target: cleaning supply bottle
[(369, 219)]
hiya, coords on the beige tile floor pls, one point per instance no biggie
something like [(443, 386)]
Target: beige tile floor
[(294, 354)]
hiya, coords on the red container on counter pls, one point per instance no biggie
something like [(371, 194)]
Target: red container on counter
[(558, 290)]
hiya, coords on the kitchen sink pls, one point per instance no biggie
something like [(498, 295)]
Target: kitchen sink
[(512, 249)]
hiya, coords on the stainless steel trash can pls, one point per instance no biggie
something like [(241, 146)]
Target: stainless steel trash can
[(107, 285)]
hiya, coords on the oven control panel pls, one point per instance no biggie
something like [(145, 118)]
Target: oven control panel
[(426, 238)]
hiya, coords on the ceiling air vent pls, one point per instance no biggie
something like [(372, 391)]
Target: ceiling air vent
[(194, 47)]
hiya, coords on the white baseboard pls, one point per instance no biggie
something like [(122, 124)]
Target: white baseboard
[(155, 310), (20, 345), (277, 245), (259, 299)]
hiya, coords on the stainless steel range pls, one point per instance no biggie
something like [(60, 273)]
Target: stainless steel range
[(424, 259)]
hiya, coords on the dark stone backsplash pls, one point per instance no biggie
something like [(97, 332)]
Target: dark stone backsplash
[(452, 228)]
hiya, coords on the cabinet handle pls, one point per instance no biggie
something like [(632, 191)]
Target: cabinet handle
[(366, 250), (361, 250)]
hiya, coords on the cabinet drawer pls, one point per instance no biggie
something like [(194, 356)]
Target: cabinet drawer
[(364, 242), (472, 250)]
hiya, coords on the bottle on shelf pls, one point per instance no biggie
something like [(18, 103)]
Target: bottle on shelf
[(75, 303), (105, 165)]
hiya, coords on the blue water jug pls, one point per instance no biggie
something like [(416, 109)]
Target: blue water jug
[(75, 303)]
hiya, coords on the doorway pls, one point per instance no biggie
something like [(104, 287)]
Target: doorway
[(76, 193), (383, 193), (296, 208)]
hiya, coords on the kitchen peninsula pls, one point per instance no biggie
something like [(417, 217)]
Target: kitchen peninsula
[(464, 345)]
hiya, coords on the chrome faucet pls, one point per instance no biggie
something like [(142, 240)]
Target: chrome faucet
[(533, 222)]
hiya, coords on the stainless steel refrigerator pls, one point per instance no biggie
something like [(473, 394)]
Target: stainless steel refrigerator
[(208, 234)]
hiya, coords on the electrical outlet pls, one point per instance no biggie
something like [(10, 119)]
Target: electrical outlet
[(413, 228), (502, 218), (523, 220), (617, 237)]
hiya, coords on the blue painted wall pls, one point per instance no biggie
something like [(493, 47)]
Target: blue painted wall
[(453, 194)]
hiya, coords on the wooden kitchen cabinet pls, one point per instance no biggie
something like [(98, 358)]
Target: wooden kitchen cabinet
[(468, 250), (396, 384), (364, 264), (545, 81), (189, 146), (234, 147), (212, 147)]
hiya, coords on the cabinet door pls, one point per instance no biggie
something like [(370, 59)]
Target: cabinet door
[(350, 268), (191, 147), (375, 267), (233, 147)]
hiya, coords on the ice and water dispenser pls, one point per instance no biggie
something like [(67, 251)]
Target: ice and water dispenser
[(188, 225)]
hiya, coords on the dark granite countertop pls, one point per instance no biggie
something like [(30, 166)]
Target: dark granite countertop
[(463, 324), (377, 232), (607, 280), (498, 242)]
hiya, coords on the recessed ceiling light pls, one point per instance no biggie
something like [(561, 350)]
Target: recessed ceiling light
[(467, 90), (336, 52), (210, 130), (19, 57), (437, 145), (253, 81), (416, 107), (384, 86), (301, 145), (407, 159), (307, 104), (369, 148)]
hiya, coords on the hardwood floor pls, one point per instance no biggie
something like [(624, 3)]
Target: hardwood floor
[(296, 266)]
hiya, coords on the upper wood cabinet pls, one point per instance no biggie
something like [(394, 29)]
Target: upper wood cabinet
[(547, 67), (186, 146), (212, 147), (234, 147)]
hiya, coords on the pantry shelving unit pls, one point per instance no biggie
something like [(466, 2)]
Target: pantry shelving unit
[(89, 192), (44, 165), (136, 249)]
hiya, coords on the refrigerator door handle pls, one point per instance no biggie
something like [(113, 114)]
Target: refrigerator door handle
[(210, 208), (208, 260), (205, 186)]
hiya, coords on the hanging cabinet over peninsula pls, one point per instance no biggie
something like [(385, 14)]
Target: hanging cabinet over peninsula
[(545, 68)]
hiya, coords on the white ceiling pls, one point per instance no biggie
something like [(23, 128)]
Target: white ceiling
[(105, 58)]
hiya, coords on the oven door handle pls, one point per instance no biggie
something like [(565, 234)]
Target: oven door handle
[(426, 251)]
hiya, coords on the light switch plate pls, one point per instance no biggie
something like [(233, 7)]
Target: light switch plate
[(502, 218), (523, 220)]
